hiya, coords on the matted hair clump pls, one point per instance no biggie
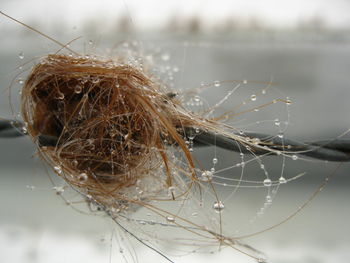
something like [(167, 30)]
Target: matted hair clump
[(113, 125)]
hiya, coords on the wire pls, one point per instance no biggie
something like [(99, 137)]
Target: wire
[(337, 150), (11, 128)]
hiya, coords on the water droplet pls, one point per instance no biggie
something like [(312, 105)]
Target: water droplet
[(60, 96), (91, 42), (245, 81), (142, 222), (263, 91), (197, 98), (30, 187), (58, 169), (215, 160), (217, 83), (282, 180), (24, 130), (241, 164), (295, 157), (20, 81), (207, 176), (78, 89), (95, 80), (261, 260), (262, 166), (170, 219), (218, 206), (288, 102), (83, 177), (165, 57), (267, 182), (268, 199), (21, 55), (277, 122), (280, 135), (253, 97), (59, 190)]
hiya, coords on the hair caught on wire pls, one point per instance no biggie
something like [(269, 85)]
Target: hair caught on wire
[(111, 130)]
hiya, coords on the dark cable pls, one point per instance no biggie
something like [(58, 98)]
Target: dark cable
[(11, 128), (337, 150)]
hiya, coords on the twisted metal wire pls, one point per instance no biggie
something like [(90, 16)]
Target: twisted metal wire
[(11, 128), (336, 150)]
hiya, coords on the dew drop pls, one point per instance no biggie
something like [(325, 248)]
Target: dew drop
[(165, 57), (59, 190), (267, 182), (78, 89), (218, 206), (217, 83), (83, 177), (170, 219), (20, 81), (207, 176), (295, 157), (253, 97), (282, 180), (58, 169), (268, 199), (245, 81), (261, 260), (60, 96), (280, 135), (21, 55), (24, 130), (277, 122), (215, 160), (30, 187)]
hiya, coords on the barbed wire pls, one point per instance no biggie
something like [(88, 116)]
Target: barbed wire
[(336, 150)]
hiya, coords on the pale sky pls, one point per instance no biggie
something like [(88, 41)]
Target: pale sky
[(154, 13)]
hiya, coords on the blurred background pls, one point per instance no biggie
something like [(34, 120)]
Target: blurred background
[(302, 46)]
